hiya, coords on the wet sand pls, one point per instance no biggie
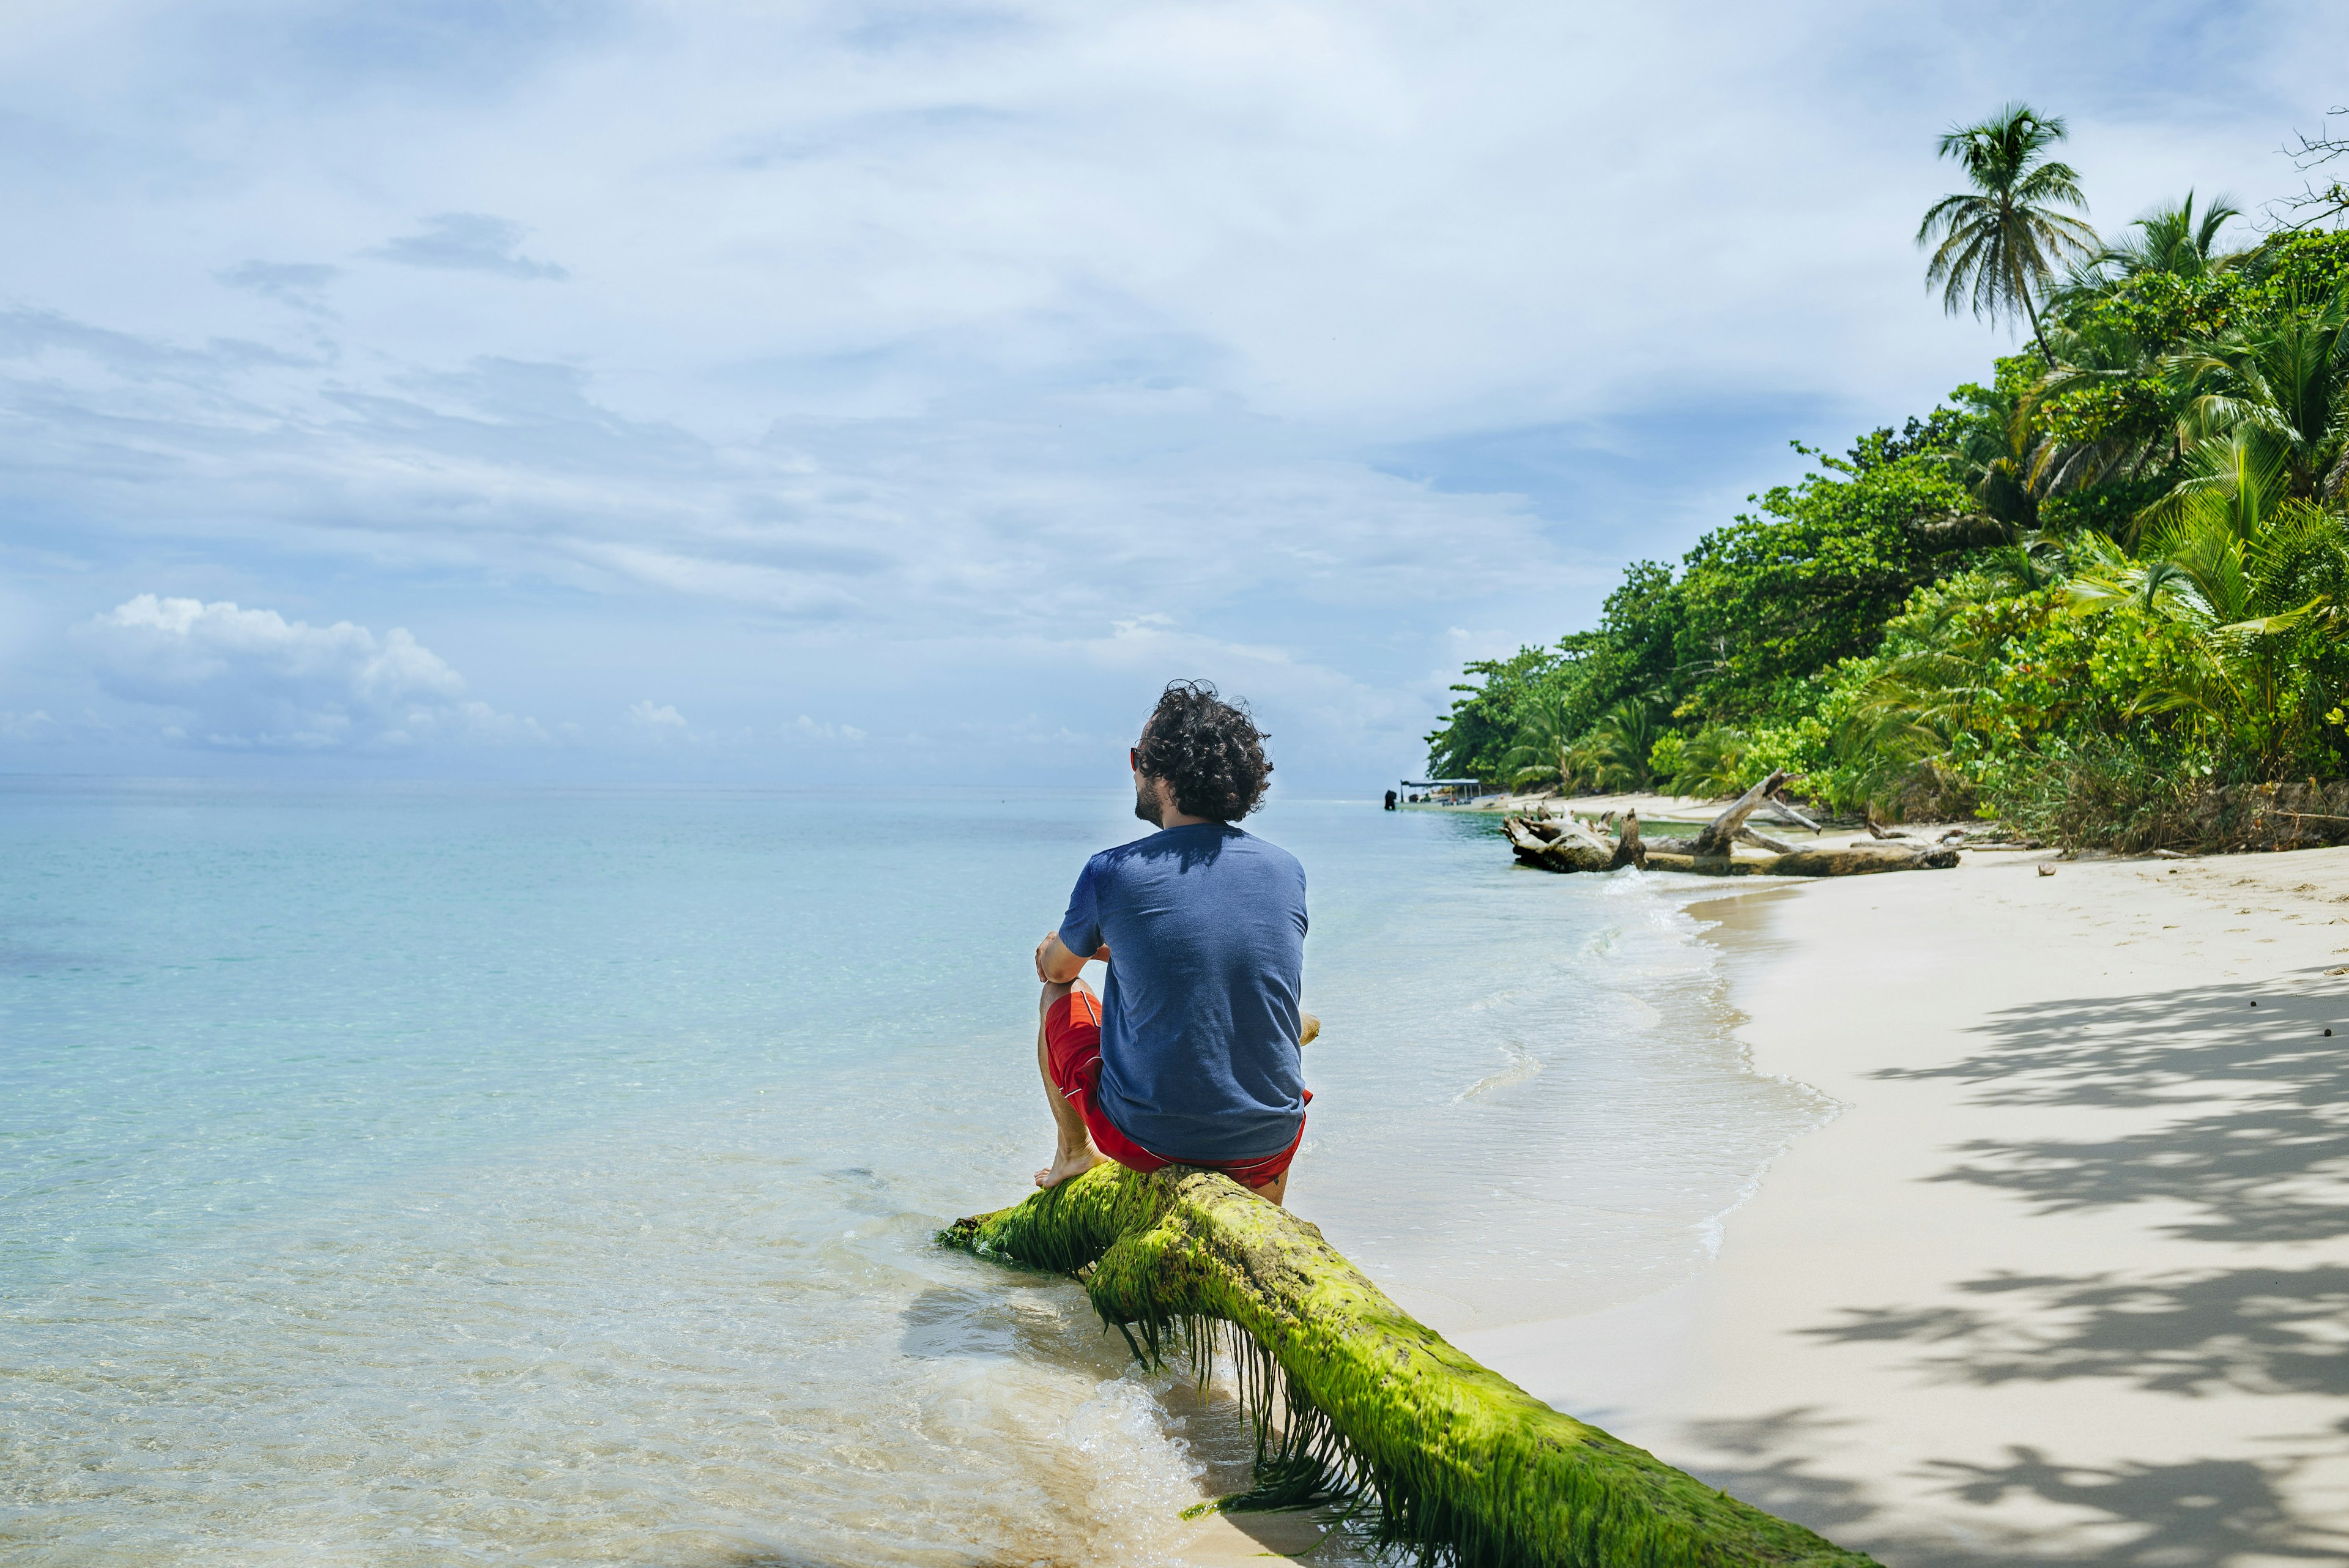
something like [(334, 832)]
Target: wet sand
[(2068, 1279)]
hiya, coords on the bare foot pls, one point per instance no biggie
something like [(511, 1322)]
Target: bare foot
[(1309, 1027), (1066, 1165)]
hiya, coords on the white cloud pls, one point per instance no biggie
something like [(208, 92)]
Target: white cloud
[(649, 723), (250, 680), (35, 728), (805, 727)]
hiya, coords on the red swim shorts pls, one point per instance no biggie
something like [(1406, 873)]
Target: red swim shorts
[(1072, 1048)]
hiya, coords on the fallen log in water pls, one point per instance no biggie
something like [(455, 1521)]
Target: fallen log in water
[(1568, 846), (1355, 1402)]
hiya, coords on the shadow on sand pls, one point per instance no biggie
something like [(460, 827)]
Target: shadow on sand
[(2256, 1151), (2259, 1151)]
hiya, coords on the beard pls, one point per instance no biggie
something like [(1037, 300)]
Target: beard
[(1146, 804)]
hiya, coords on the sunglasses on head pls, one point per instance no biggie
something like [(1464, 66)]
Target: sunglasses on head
[(1133, 758)]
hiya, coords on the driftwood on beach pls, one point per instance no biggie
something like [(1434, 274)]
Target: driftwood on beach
[(1720, 834), (1569, 846), (1357, 1405), (1858, 860)]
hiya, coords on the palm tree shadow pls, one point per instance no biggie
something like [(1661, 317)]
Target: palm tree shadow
[(2259, 1151), (2212, 1511), (1764, 1463), (2251, 1331), (2131, 1515)]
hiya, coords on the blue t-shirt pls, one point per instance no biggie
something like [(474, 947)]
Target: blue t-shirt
[(1205, 925)]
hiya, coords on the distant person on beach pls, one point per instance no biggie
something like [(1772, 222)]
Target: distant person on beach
[(1391, 806), (1190, 1054)]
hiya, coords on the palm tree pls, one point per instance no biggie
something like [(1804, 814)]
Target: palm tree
[(1993, 458), (1614, 754), (2237, 480), (1545, 748), (2004, 241), (2168, 240), (2172, 240), (1893, 742), (2256, 579), (1714, 761), (2287, 381), (2139, 432)]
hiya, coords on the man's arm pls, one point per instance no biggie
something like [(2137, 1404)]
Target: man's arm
[(1056, 965)]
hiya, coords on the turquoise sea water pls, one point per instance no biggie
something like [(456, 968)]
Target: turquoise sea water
[(438, 1175)]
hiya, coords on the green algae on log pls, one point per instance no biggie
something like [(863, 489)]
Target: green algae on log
[(1460, 1464)]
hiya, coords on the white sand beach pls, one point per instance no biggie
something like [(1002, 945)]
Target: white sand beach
[(2067, 1279)]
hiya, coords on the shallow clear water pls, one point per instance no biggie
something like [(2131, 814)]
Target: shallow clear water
[(434, 1175)]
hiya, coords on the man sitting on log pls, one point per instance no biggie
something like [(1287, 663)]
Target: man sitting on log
[(1190, 1054)]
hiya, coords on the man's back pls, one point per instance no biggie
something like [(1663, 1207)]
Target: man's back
[(1205, 925)]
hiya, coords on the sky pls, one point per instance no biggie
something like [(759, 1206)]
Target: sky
[(814, 394)]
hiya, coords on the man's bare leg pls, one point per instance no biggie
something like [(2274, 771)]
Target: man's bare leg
[(1075, 1153)]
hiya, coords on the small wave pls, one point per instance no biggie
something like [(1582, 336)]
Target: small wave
[(1714, 1228), (1137, 1459), (1523, 1064), (1493, 998), (1644, 1013)]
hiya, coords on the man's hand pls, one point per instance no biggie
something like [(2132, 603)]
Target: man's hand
[(1056, 965)]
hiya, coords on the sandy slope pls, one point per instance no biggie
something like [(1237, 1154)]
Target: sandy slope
[(2068, 1280)]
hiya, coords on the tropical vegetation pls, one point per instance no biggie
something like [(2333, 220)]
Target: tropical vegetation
[(2112, 572)]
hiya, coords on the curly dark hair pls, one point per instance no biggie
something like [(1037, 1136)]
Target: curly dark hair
[(1209, 750)]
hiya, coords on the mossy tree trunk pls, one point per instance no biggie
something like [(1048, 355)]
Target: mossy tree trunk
[(1459, 1462)]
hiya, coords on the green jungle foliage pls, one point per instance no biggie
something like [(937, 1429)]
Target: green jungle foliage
[(2115, 574)]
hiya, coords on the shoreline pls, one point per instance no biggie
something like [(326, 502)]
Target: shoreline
[(2064, 1279), (1687, 809)]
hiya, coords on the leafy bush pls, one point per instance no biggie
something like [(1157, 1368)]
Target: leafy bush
[(1665, 759), (2104, 792)]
